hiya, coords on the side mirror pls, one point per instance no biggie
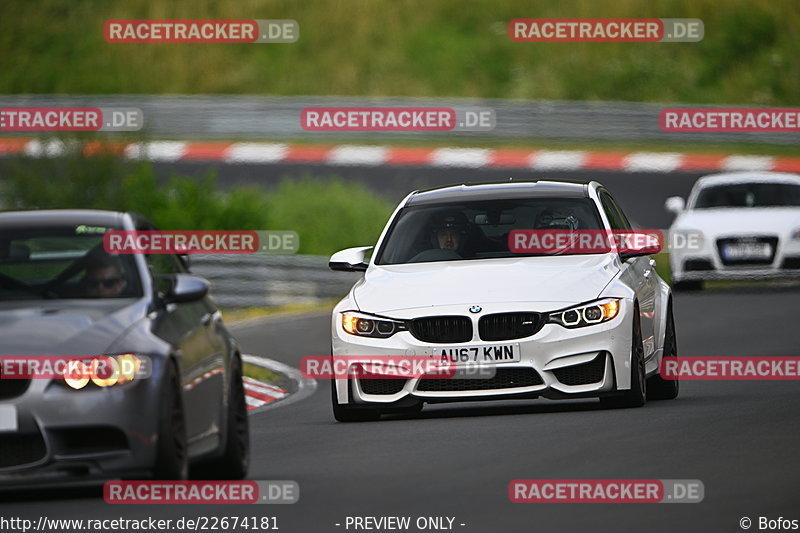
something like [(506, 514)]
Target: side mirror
[(675, 204), (640, 244), (349, 260), (186, 288)]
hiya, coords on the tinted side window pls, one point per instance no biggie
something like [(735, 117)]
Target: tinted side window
[(626, 224), (161, 266), (612, 212)]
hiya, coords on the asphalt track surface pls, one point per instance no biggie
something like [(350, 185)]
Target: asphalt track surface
[(741, 439)]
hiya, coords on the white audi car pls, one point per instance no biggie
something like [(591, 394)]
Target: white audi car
[(736, 226), (444, 284)]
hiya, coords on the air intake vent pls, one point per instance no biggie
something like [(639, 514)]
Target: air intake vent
[(505, 378)]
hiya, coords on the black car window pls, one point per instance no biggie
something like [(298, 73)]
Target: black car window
[(478, 229), (67, 261), (749, 195)]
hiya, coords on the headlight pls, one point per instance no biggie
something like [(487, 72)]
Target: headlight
[(586, 314), (365, 325), (103, 371)]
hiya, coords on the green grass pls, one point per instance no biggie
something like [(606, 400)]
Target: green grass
[(409, 47), (260, 373), (232, 316)]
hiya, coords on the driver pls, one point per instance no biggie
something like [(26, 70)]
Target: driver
[(103, 278), (450, 231)]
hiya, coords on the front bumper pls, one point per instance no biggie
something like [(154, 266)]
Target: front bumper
[(77, 436), (556, 362), (706, 263)]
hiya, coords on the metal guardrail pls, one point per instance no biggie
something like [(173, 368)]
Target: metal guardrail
[(271, 117), (258, 280)]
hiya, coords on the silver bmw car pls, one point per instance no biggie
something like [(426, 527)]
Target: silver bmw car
[(62, 295)]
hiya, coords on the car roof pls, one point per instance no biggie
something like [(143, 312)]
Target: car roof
[(55, 217), (747, 177), (500, 191)]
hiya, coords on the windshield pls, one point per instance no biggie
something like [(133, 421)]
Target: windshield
[(63, 262), (749, 195), (478, 230)]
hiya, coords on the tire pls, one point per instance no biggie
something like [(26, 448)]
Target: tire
[(345, 413), (172, 450), (685, 286), (659, 388), (636, 396), (235, 459)]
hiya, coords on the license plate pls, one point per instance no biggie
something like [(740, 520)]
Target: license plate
[(8, 418), (747, 251), (495, 353)]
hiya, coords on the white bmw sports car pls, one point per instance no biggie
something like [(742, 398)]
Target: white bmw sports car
[(741, 225), (444, 284)]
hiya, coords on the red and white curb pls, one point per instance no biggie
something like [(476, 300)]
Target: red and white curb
[(372, 156), (261, 396), (199, 379), (258, 393)]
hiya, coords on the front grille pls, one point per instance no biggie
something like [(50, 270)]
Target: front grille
[(697, 264), (21, 449), (507, 326), (772, 241), (11, 388), (791, 263), (584, 373), (442, 329), (504, 378)]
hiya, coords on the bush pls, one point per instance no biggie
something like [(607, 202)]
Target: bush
[(328, 215)]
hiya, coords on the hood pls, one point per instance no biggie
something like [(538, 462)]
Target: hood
[(568, 279), (65, 327), (746, 220)]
